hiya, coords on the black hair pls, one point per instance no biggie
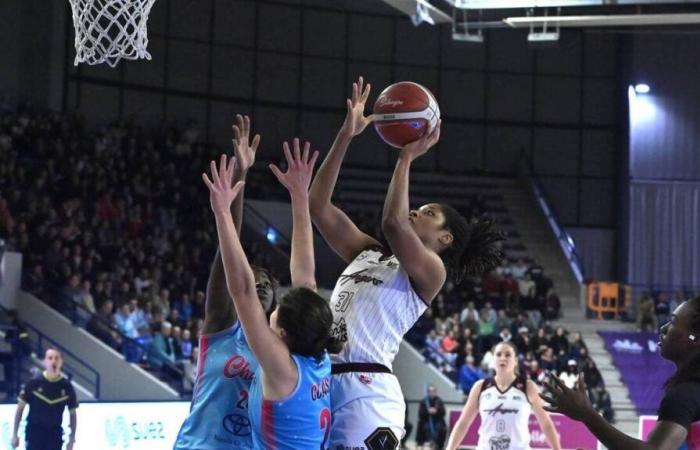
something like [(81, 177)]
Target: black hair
[(257, 270), (474, 248), (689, 370), (307, 319)]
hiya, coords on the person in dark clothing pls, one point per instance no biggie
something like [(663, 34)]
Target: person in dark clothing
[(408, 426), (679, 412), (47, 396), (431, 420)]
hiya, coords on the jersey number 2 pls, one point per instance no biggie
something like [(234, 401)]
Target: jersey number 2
[(325, 425), (243, 402)]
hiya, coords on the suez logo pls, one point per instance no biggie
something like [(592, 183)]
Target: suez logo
[(119, 431)]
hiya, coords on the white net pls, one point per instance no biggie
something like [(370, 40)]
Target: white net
[(109, 30)]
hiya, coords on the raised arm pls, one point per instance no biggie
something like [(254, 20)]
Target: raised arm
[(219, 311), (297, 179), (423, 265), (269, 349), (574, 403), (334, 225), (471, 409), (542, 416)]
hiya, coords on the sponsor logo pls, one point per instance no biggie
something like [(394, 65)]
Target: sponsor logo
[(627, 346), (119, 431), (358, 278), (382, 439), (501, 410), (237, 366), (236, 424), (499, 443), (340, 330), (387, 101), (320, 389)]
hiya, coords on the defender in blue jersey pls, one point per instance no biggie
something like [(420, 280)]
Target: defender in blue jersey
[(289, 398), (218, 418)]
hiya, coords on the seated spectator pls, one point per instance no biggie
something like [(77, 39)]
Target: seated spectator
[(504, 335), (489, 313), (85, 297), (569, 375), (576, 345), (534, 372), (559, 342), (519, 269), (469, 318), (548, 360), (522, 341), (591, 374), (186, 345), (124, 321), (552, 305), (184, 307), (646, 314), (469, 374), (541, 341), (449, 342), (100, 325), (527, 291), (162, 349), (603, 404), (176, 335)]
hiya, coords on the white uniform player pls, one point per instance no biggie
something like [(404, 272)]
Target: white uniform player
[(504, 416), (504, 403), (373, 306)]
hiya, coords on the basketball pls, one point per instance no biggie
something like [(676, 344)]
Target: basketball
[(404, 112)]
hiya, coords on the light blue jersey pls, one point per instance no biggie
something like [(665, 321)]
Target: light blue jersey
[(218, 417), (302, 421)]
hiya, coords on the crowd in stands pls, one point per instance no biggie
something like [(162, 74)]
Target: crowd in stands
[(115, 228), (655, 308), (115, 231), (517, 303)]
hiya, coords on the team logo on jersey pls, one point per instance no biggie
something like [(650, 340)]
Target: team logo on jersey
[(382, 439), (500, 410), (499, 443), (237, 425), (340, 330), (358, 278), (365, 378), (238, 366), (320, 389)]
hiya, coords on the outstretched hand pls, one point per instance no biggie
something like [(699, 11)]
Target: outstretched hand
[(420, 147), (300, 168), (221, 190), (355, 119), (570, 402), (243, 148)]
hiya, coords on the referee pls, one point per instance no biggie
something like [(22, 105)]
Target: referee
[(47, 395)]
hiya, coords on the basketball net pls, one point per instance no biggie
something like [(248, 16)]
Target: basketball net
[(109, 30)]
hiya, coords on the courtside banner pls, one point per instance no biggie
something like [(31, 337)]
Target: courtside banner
[(113, 426), (572, 434)]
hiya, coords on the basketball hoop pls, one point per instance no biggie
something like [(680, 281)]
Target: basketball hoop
[(109, 30)]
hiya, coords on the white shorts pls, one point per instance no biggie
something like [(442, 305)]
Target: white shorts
[(368, 412)]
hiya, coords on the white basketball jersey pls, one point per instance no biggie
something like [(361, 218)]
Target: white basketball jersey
[(373, 306), (504, 416)]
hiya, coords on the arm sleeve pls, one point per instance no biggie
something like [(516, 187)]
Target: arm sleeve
[(72, 399), (24, 392), (681, 404)]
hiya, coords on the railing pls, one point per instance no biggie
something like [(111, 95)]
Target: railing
[(564, 239), (74, 366)]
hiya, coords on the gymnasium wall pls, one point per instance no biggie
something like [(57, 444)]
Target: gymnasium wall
[(290, 64)]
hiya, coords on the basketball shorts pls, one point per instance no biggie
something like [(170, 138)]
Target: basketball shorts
[(368, 412)]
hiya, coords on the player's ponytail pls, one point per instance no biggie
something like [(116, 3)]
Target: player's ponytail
[(689, 370), (306, 319), (475, 246)]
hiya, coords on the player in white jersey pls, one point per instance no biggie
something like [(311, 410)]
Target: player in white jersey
[(504, 403), (384, 290)]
